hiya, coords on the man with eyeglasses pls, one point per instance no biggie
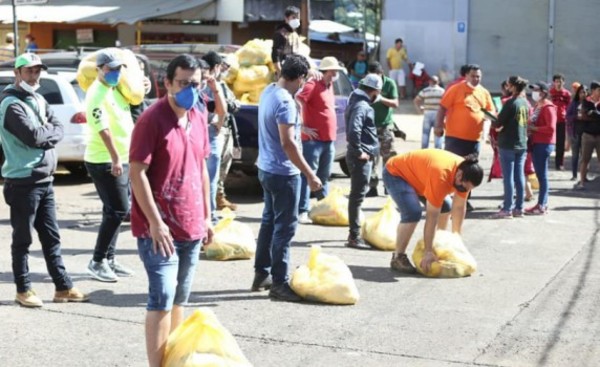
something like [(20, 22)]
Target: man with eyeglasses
[(106, 155)]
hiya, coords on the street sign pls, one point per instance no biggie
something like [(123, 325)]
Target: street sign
[(30, 2)]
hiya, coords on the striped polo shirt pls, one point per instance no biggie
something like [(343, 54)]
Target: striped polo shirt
[(431, 97)]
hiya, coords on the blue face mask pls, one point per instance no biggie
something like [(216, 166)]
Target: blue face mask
[(187, 97), (112, 77)]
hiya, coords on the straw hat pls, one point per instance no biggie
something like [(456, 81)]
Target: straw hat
[(330, 63)]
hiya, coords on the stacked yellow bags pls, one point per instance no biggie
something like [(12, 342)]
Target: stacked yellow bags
[(201, 341), (380, 230), (325, 279), (455, 260), (232, 240), (131, 84), (332, 210), (252, 71)]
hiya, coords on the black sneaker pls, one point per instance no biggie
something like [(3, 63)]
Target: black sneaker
[(261, 282), (372, 193), (283, 292), (357, 243)]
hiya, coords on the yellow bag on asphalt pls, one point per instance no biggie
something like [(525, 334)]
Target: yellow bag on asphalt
[(380, 230), (455, 260), (325, 279), (131, 84), (201, 341), (332, 210), (232, 240)]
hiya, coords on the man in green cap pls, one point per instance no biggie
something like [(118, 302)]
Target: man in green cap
[(29, 132)]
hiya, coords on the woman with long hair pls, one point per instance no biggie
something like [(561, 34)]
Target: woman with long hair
[(542, 130), (512, 147), (575, 128)]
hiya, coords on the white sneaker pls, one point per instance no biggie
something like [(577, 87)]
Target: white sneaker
[(304, 219)]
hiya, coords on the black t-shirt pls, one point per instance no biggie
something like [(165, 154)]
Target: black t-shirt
[(591, 117)]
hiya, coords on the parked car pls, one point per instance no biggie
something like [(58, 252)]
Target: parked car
[(247, 123), (61, 91)]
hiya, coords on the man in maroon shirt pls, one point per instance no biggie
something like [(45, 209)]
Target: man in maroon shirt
[(561, 98), (319, 129), (170, 213)]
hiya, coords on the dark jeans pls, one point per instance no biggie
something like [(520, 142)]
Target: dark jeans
[(114, 193), (33, 206), (560, 145), (541, 156), (462, 148), (360, 173), (278, 226), (575, 153)]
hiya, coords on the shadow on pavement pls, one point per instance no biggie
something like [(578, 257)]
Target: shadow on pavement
[(378, 274), (213, 297), (109, 298)]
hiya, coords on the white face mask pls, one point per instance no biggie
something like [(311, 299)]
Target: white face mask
[(29, 88), (335, 78), (535, 95), (294, 23)]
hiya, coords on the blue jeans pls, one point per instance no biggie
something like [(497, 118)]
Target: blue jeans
[(513, 175), (169, 278), (278, 226), (213, 165), (428, 124), (114, 194), (575, 153), (360, 173), (319, 156), (33, 206), (541, 156), (406, 198)]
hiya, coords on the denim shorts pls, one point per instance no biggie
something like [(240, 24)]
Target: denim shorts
[(408, 202), (169, 279)]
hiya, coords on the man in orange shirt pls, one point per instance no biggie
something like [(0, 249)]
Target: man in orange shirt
[(463, 107), (429, 176)]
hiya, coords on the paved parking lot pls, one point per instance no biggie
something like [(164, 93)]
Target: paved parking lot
[(532, 302)]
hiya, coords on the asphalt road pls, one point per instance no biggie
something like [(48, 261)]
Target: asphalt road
[(533, 301)]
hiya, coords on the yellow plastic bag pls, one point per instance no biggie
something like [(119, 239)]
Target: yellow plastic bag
[(380, 229), (535, 184), (332, 210), (455, 260), (201, 341), (232, 240), (131, 84), (255, 52), (325, 279)]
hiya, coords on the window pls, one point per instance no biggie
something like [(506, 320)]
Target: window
[(49, 89), (342, 87)]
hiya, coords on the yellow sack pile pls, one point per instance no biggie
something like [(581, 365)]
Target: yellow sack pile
[(380, 230), (455, 260), (131, 84), (232, 240), (201, 341), (332, 210), (251, 70), (325, 279)]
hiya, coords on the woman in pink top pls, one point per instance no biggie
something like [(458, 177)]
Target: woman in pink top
[(542, 135)]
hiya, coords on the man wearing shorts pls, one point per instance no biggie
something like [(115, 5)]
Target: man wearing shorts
[(430, 176), (171, 197), (395, 59)]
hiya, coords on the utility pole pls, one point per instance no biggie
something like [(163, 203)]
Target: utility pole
[(305, 18), (15, 28)]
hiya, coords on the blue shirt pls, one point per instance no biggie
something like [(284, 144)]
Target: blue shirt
[(276, 107)]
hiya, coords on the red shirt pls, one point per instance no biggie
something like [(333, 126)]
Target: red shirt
[(561, 99), (546, 125), (318, 110), (176, 158)]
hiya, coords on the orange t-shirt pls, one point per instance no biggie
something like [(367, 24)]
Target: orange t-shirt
[(464, 119), (429, 171)]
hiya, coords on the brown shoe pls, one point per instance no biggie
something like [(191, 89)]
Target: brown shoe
[(223, 203), (29, 299), (70, 295), (402, 264)]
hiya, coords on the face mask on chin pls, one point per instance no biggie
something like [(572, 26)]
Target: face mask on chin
[(29, 88), (471, 85), (460, 188)]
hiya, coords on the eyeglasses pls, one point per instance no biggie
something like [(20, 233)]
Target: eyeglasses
[(185, 83)]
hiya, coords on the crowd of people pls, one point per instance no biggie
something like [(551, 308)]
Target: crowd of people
[(167, 166)]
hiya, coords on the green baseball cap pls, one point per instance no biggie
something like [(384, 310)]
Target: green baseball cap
[(28, 60)]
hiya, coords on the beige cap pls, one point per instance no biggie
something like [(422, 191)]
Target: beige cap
[(330, 63)]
